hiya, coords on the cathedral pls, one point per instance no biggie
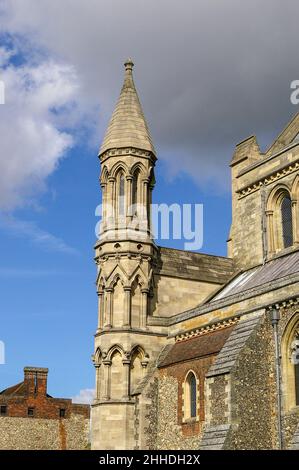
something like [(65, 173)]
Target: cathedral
[(195, 351)]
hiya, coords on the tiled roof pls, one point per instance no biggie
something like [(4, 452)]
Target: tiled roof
[(193, 265), (210, 343), (128, 127), (15, 390), (18, 390)]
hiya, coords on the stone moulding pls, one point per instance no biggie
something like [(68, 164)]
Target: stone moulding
[(207, 329), (285, 304), (127, 151), (266, 180)]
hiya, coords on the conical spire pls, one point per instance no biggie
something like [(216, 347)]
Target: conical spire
[(127, 127)]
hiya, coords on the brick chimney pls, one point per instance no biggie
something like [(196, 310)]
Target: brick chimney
[(35, 378)]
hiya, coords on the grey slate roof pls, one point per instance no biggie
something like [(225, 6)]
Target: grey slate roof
[(128, 127), (269, 272), (228, 355), (214, 437), (193, 265)]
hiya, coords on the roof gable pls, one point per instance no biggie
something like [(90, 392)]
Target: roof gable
[(289, 135)]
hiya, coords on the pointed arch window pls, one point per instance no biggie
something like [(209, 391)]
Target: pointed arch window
[(190, 396), (135, 190), (286, 221), (290, 363), (121, 195), (297, 383), (281, 225), (294, 356)]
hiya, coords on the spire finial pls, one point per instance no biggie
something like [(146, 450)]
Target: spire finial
[(129, 64)]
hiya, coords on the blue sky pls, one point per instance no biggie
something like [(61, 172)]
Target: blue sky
[(201, 93), (48, 296)]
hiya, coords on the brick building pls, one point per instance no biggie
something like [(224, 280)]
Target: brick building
[(30, 418)]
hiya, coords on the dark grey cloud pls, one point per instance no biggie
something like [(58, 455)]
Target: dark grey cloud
[(209, 72)]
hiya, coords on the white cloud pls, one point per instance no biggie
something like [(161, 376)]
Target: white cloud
[(206, 82), (85, 396), (32, 143), (40, 238)]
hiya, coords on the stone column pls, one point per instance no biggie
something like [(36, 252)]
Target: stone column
[(108, 313), (270, 231), (127, 316), (98, 382), (100, 309), (295, 222), (126, 364), (107, 378), (144, 294)]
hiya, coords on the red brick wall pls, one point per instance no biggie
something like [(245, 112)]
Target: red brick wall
[(179, 371), (44, 407)]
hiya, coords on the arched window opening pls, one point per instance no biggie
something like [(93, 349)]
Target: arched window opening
[(290, 364), (294, 356), (118, 305), (190, 396), (121, 195), (136, 303), (116, 376), (136, 371), (297, 383), (286, 221), (281, 225), (135, 193)]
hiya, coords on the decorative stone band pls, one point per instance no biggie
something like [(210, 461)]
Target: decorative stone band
[(127, 151), (284, 304), (242, 192), (207, 329)]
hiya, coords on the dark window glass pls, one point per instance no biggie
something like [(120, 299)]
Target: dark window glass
[(287, 225), (3, 410), (30, 411), (135, 190), (193, 395), (62, 413), (297, 383), (122, 195)]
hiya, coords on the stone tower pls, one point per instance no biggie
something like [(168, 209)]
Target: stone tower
[(125, 342)]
